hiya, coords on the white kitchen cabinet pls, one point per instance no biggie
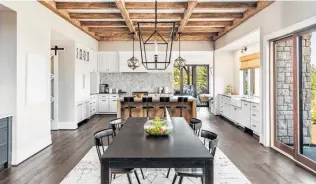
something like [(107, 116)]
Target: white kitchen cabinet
[(113, 105), (235, 114), (93, 105), (79, 112), (85, 110), (103, 106), (94, 82), (246, 119), (255, 118), (108, 62)]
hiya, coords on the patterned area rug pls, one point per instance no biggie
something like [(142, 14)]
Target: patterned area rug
[(87, 171)]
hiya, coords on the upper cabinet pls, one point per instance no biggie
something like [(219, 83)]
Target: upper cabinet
[(108, 62), (124, 56)]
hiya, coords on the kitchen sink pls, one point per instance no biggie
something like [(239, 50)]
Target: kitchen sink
[(236, 101)]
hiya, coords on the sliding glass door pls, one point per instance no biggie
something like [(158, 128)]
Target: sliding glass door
[(295, 96), (307, 98), (284, 98)]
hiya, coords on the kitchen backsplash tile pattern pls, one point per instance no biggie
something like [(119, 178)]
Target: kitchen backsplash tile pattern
[(137, 81)]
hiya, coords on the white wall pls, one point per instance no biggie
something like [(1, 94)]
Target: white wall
[(223, 74), (34, 23), (278, 17), (251, 49)]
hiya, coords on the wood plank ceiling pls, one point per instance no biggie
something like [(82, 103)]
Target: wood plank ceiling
[(114, 20)]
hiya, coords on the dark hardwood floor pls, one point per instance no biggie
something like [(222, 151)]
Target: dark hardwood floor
[(260, 165)]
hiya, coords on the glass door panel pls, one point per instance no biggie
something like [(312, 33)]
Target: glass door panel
[(284, 95), (307, 98)]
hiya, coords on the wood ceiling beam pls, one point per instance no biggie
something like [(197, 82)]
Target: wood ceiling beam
[(151, 29), (103, 23), (183, 38), (109, 29), (153, 25), (152, 16), (209, 23), (96, 16), (225, 5), (216, 15), (121, 6), (151, 5), (86, 5), (65, 15), (202, 29), (187, 14), (248, 14)]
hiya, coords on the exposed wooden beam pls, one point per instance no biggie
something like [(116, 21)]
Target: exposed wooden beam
[(248, 14), (151, 5), (152, 15), (189, 37), (209, 23), (96, 16), (226, 5), (103, 23), (203, 29), (86, 5), (153, 25), (109, 29), (121, 6), (151, 29), (65, 15), (187, 14), (216, 15)]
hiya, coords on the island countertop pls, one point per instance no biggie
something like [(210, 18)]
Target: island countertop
[(157, 99)]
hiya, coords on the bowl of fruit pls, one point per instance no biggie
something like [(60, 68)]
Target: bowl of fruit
[(158, 127)]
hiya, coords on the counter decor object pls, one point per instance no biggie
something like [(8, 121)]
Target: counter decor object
[(228, 89), (158, 127)]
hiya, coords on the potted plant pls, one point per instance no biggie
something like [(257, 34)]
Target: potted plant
[(313, 128)]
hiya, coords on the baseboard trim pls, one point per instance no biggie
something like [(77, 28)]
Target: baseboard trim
[(67, 125)]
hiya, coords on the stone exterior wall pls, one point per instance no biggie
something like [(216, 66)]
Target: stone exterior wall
[(284, 90), (306, 85)]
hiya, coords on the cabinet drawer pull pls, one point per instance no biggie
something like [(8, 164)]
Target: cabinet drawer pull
[(253, 115), (113, 100), (254, 125), (254, 106), (103, 100)]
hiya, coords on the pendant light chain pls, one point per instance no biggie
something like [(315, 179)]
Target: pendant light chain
[(133, 42), (179, 43)]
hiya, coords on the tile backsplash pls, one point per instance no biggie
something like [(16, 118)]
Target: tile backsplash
[(137, 81)]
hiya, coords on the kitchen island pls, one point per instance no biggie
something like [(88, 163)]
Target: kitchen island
[(188, 113)]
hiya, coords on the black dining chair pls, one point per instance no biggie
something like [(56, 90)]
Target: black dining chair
[(196, 125), (198, 172), (98, 139), (182, 106), (147, 107), (129, 100), (164, 100), (116, 124)]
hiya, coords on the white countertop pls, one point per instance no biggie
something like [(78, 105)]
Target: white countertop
[(5, 115), (253, 99), (157, 99)]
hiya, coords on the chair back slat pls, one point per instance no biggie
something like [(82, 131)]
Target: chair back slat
[(213, 140), (98, 140)]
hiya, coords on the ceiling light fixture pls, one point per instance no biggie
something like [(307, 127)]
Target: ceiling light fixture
[(133, 62), (179, 62), (156, 60)]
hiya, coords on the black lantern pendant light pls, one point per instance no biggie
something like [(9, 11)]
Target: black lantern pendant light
[(179, 62), (156, 60), (133, 62)]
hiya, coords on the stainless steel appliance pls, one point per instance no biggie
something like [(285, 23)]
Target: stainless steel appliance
[(104, 88)]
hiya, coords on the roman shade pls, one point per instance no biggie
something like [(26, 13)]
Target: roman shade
[(250, 61)]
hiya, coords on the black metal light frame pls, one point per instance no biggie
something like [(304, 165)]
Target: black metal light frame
[(156, 64), (133, 62)]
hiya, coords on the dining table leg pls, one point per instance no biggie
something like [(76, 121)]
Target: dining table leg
[(209, 172), (105, 172)]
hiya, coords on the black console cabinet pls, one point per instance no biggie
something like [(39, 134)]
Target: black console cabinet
[(5, 142)]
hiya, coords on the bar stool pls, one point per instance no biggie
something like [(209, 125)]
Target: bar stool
[(129, 100), (147, 107), (182, 106), (164, 100), (196, 125)]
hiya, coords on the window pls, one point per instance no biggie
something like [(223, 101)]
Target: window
[(249, 83)]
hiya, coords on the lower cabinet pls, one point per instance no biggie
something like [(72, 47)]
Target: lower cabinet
[(82, 111), (235, 114), (5, 142), (107, 103), (245, 111)]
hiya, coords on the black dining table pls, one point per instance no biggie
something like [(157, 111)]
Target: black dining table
[(133, 148)]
